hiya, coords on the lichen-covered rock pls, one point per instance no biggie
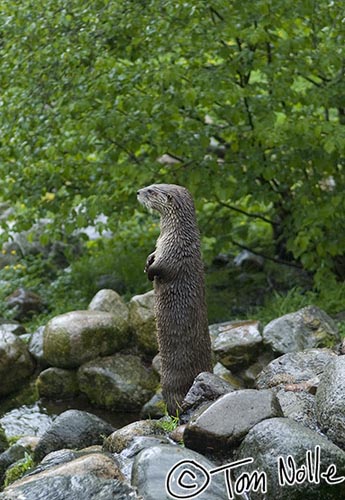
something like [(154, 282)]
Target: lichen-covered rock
[(224, 423), (119, 383), (236, 344), (16, 364), (110, 301), (228, 376), (294, 368), (57, 383), (71, 339), (330, 401), (26, 420), (143, 323), (3, 440), (155, 473), (11, 326), (272, 441), (121, 438), (73, 429), (307, 328), (24, 303)]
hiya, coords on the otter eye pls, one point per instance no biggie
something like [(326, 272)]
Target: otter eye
[(169, 197)]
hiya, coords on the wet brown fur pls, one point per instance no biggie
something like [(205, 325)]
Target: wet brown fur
[(177, 271)]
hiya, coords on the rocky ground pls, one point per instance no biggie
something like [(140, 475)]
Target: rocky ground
[(268, 423)]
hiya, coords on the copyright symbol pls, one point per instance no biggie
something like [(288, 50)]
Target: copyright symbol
[(187, 479)]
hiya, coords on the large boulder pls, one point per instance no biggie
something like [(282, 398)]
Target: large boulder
[(73, 429), (278, 447), (294, 368), (16, 364), (224, 423), (143, 323), (119, 383), (307, 328), (156, 472), (330, 401), (71, 339)]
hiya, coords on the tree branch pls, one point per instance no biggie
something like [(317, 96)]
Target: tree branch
[(243, 212), (267, 257)]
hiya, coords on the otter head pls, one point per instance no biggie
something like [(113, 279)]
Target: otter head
[(167, 199)]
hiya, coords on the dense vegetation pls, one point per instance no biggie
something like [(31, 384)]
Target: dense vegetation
[(241, 102)]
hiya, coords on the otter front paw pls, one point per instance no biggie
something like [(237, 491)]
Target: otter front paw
[(149, 261)]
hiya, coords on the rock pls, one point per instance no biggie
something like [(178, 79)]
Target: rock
[(24, 303), (249, 374), (57, 383), (11, 326), (120, 382), (294, 368), (155, 407), (125, 459), (307, 328), (330, 401), (71, 339), (282, 437), (26, 421), (9, 457), (111, 302), (249, 261), (35, 347), (224, 423), (72, 429), (226, 375), (16, 364), (66, 487), (3, 440), (156, 472), (299, 406), (143, 323), (206, 387), (236, 343), (121, 438), (157, 364)]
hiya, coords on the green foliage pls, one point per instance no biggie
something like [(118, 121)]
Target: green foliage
[(17, 470), (246, 98)]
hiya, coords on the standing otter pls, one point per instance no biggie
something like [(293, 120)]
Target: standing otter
[(177, 271)]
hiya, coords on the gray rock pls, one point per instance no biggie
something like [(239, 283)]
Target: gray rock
[(121, 438), (155, 471), (250, 373), (16, 364), (307, 328), (35, 346), (11, 326), (228, 376), (282, 437), (9, 457), (71, 339), (26, 421), (206, 388), (24, 303), (125, 459), (224, 423), (299, 406), (86, 487), (110, 301), (120, 382), (330, 401), (143, 323), (236, 344), (72, 429), (294, 368), (3, 440), (57, 383), (155, 407)]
